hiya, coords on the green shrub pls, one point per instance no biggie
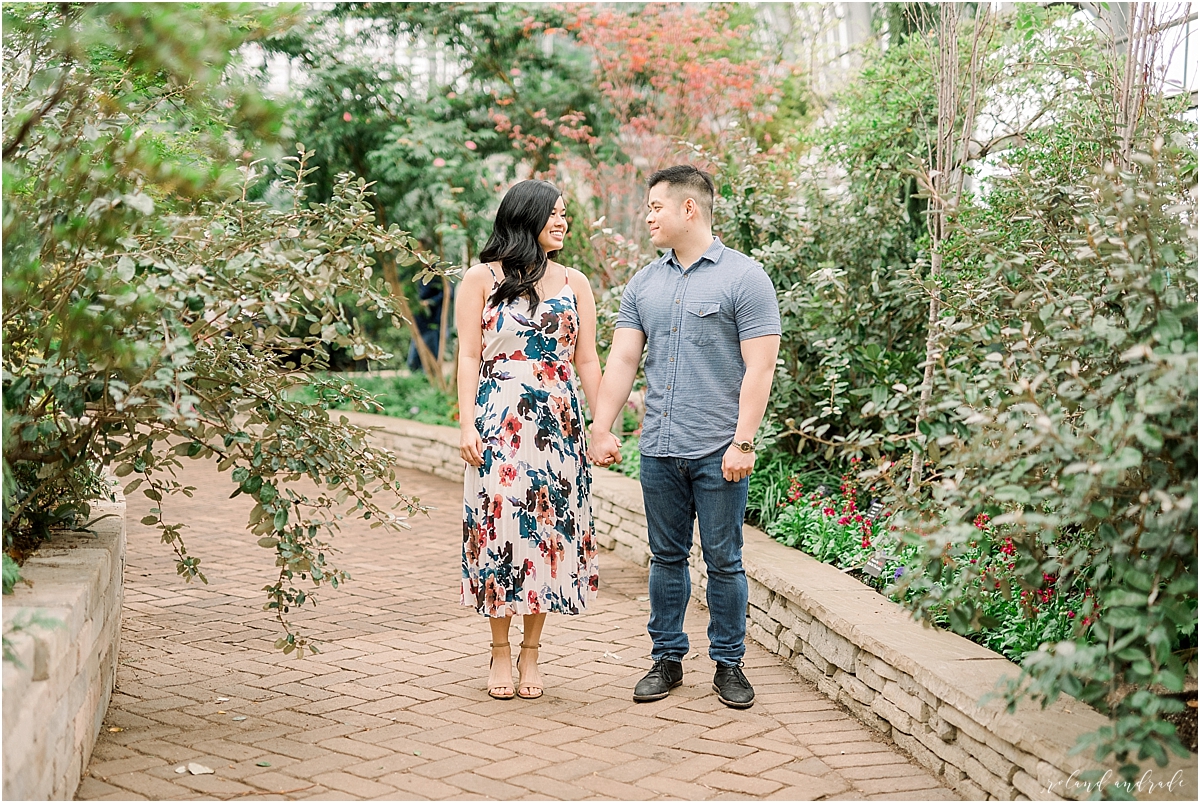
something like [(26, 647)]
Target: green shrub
[(153, 311), (12, 573), (1069, 394), (402, 396), (776, 473)]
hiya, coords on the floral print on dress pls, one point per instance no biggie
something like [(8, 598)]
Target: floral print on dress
[(528, 540)]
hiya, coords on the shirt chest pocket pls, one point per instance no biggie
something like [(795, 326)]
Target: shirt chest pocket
[(701, 321)]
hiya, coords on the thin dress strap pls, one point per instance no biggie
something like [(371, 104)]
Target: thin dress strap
[(496, 280)]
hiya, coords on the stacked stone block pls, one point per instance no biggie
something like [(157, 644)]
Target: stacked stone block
[(57, 691)]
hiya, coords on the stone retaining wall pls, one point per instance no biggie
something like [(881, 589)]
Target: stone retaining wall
[(918, 685), (56, 699)]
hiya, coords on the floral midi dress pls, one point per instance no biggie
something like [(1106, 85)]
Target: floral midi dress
[(528, 540)]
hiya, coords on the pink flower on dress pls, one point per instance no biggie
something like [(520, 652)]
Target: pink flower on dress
[(545, 371), (473, 538), (545, 510), (508, 473), (511, 429), (493, 596), (570, 329), (561, 407)]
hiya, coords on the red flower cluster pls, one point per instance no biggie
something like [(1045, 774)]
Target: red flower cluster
[(795, 491)]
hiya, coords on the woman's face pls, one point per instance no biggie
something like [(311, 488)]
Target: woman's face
[(555, 230)]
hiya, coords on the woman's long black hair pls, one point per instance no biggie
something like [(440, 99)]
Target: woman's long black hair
[(514, 242)]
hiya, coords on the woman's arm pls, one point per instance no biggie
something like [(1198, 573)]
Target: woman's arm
[(587, 361), (468, 319)]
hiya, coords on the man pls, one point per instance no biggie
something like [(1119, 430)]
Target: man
[(710, 319)]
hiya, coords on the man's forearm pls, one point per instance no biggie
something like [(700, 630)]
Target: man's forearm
[(752, 402), (614, 392)]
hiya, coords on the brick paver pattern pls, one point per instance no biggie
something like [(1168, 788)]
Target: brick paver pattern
[(395, 707)]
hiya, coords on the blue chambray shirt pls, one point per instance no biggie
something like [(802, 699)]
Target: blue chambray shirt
[(694, 321)]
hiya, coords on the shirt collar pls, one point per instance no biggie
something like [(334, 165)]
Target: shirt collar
[(712, 254)]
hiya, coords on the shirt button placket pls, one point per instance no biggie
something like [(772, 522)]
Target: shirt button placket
[(677, 322)]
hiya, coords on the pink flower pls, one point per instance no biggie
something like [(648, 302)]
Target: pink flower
[(347, 117), (470, 145), (439, 162), (511, 425)]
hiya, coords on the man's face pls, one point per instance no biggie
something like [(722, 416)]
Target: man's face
[(667, 217)]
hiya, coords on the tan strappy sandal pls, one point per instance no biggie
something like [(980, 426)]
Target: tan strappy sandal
[(535, 691), (497, 692)]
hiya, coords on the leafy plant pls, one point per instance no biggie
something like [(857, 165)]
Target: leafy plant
[(12, 574), (1069, 389), (839, 527), (150, 302), (776, 474), (402, 396)]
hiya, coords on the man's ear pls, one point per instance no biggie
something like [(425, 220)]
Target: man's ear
[(690, 207)]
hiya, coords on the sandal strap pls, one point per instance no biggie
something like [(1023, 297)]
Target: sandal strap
[(525, 646), (497, 646)]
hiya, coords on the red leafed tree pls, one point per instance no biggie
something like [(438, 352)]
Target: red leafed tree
[(674, 76), (673, 73)]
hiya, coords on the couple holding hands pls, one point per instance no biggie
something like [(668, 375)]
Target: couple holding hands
[(707, 318)]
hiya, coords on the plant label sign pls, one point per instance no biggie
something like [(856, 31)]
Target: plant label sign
[(873, 511), (875, 565)]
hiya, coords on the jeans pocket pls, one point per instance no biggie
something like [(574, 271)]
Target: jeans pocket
[(701, 322)]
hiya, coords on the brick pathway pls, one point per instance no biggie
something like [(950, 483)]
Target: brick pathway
[(395, 706)]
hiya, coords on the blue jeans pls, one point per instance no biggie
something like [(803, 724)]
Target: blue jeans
[(676, 491)]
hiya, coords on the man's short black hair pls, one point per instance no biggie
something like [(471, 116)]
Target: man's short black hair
[(691, 179)]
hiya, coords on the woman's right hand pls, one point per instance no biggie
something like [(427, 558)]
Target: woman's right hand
[(470, 446)]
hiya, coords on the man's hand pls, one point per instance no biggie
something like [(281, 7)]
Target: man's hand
[(605, 449), (736, 465)]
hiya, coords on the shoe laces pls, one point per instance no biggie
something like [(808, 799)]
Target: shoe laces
[(660, 665), (736, 675)]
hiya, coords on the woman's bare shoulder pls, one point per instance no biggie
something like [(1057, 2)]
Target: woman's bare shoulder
[(482, 271), (578, 278)]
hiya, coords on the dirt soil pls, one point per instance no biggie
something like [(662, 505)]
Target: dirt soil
[(1185, 723)]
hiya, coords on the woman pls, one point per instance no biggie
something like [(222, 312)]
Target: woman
[(523, 320)]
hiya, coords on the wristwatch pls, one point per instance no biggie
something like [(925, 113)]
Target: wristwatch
[(744, 446)]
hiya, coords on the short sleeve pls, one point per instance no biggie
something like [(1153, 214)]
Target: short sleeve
[(756, 306), (627, 315)]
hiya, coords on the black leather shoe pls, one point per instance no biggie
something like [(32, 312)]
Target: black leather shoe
[(731, 687), (666, 674)]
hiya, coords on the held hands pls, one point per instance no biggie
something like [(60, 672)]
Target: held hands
[(470, 446), (605, 449), (736, 464)]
